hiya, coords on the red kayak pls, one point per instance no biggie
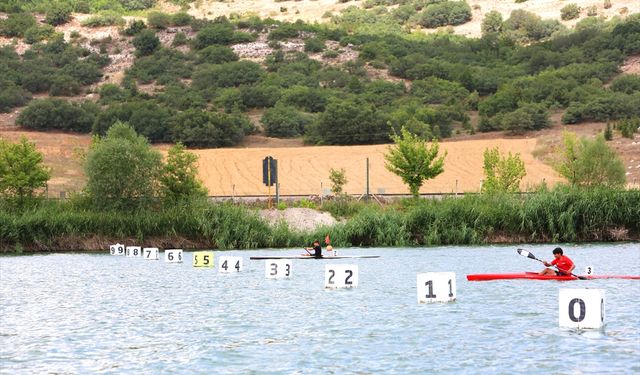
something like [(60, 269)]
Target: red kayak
[(536, 276)]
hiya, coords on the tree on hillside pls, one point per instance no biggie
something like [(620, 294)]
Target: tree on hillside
[(146, 43), (502, 174), (22, 171), (179, 180), (122, 170), (589, 163), (492, 23), (413, 160)]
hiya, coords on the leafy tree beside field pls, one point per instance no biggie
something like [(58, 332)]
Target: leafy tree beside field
[(22, 171), (122, 170), (590, 163), (502, 173), (413, 161)]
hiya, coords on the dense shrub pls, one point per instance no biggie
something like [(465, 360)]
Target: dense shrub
[(218, 33), (111, 93), (314, 45), (306, 98), (17, 24), (626, 83), (445, 13), (58, 13), (196, 128), (227, 75), (216, 54), (158, 20), (283, 121), (37, 34), (85, 72), (611, 106), (12, 96), (64, 85), (181, 19), (436, 91), (146, 117), (346, 122), (58, 114), (165, 65), (529, 116), (106, 18), (259, 96), (523, 26), (146, 43), (134, 27), (569, 12), (180, 97)]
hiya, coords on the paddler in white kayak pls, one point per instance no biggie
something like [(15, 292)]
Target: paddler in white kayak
[(563, 263)]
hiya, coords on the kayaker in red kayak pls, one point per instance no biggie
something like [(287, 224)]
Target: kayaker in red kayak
[(563, 263)]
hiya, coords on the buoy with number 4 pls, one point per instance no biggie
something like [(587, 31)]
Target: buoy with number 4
[(228, 264)]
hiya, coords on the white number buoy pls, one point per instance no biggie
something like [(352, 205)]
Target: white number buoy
[(150, 253), (117, 249), (588, 270), (203, 259), (278, 268), (340, 276), (436, 287), (134, 251), (581, 308), (173, 256), (228, 264)]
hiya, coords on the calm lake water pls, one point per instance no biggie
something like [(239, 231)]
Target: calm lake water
[(97, 313)]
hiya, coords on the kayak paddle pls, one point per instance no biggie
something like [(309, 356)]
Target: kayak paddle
[(527, 254)]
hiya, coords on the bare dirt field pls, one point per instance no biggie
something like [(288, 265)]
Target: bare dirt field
[(304, 170)]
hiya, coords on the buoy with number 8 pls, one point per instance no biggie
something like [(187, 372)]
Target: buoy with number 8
[(581, 308), (436, 287), (134, 251)]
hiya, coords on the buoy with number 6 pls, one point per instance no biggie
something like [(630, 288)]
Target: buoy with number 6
[(228, 264), (581, 308), (173, 256), (341, 276), (436, 287), (203, 259)]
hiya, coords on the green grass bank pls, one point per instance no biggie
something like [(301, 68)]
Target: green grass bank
[(559, 215)]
